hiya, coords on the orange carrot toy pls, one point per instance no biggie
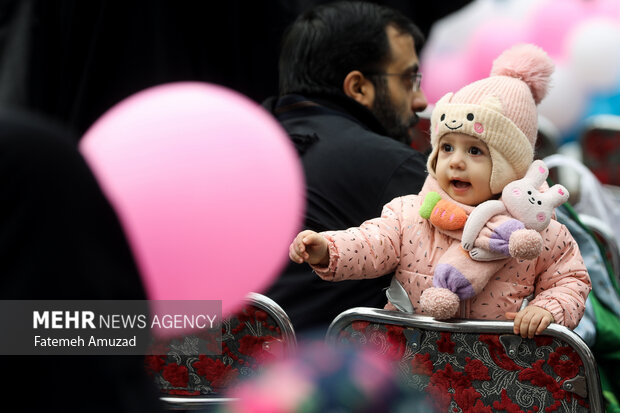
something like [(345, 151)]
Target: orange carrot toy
[(442, 213)]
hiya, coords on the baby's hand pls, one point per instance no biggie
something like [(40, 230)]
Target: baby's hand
[(530, 321), (310, 247)]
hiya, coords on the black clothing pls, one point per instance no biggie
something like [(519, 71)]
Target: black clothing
[(352, 170), (60, 239)]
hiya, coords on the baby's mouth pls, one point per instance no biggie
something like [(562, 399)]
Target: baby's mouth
[(460, 184)]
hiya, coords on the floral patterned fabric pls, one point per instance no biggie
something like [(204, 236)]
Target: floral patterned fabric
[(471, 372), (250, 339)]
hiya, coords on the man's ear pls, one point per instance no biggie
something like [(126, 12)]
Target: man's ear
[(359, 88)]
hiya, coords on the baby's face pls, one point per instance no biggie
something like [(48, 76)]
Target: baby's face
[(464, 168)]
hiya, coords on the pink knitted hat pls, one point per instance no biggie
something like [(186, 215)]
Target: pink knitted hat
[(500, 110)]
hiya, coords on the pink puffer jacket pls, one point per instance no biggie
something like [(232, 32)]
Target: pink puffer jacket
[(402, 241)]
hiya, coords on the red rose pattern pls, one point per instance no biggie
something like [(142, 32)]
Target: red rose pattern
[(565, 362), (422, 364), (154, 364), (176, 375), (447, 384), (455, 382), (360, 325), (445, 345), (216, 372), (242, 342), (253, 346)]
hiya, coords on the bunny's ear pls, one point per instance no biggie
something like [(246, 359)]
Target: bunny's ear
[(557, 194), (537, 173)]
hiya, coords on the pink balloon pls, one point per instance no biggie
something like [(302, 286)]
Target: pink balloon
[(207, 186), (442, 74), (606, 8), (489, 40), (553, 20)]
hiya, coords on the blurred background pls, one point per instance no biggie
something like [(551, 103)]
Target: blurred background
[(72, 60), (582, 37)]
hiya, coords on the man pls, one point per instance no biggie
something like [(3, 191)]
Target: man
[(349, 91)]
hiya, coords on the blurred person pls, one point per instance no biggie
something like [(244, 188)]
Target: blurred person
[(349, 93), (321, 378), (61, 240)]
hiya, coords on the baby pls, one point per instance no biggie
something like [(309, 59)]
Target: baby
[(482, 138)]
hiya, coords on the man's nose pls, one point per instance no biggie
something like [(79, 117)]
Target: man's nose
[(419, 102)]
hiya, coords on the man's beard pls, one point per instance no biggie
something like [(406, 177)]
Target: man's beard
[(388, 116)]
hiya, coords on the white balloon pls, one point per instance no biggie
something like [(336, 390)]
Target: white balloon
[(594, 53), (453, 32), (566, 101)]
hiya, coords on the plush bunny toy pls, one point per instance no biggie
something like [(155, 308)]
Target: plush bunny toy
[(523, 201)]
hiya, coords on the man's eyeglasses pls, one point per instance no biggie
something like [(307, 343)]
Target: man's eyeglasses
[(414, 79)]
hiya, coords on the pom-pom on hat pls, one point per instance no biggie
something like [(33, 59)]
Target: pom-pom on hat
[(500, 110)]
